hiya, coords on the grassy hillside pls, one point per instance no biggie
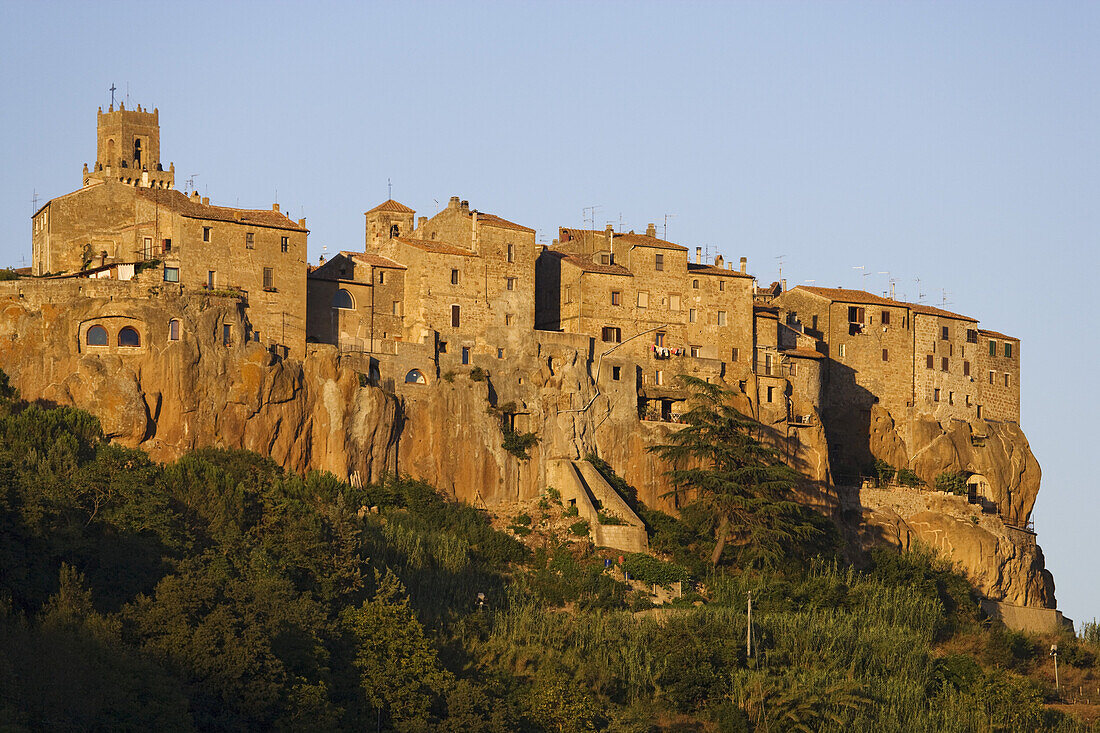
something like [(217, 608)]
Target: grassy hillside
[(220, 593)]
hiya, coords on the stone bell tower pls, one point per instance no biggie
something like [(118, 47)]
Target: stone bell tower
[(128, 149)]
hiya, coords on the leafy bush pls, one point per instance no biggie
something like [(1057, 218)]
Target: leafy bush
[(952, 483), (518, 443), (522, 519), (9, 273), (606, 518), (478, 374), (579, 529), (571, 511), (649, 569), (884, 472), (448, 376), (908, 477)]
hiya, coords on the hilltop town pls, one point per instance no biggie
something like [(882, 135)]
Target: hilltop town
[(415, 354)]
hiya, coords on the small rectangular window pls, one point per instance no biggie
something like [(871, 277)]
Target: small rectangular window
[(227, 334), (771, 394), (695, 284), (500, 353), (605, 259), (971, 336), (659, 262), (992, 348), (695, 351), (465, 354), (966, 369), (510, 283), (721, 318), (1007, 379), (659, 338), (734, 354), (943, 364), (842, 351), (936, 395), (454, 277), (616, 297), (173, 330), (886, 355), (856, 314), (455, 314), (249, 240), (508, 319), (612, 334), (991, 373), (269, 278), (206, 232), (442, 347), (950, 398), (285, 245), (166, 245), (885, 318), (945, 333), (1008, 350), (210, 279), (674, 302), (691, 315), (396, 308), (381, 277), (643, 299), (171, 274), (616, 372), (721, 285), (147, 247), (511, 253), (659, 378), (929, 362)]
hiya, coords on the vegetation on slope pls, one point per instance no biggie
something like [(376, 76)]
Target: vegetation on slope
[(221, 593)]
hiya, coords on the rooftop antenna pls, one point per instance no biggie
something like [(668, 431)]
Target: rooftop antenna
[(943, 298), (127, 92), (620, 222), (113, 94), (589, 213), (664, 234), (811, 282), (34, 202), (276, 195), (920, 295), (389, 190), (779, 259), (892, 294)]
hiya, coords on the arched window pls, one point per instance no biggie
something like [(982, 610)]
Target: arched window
[(415, 377), (395, 231), (174, 330), (128, 336), (137, 152), (96, 336), (110, 152), (342, 299)]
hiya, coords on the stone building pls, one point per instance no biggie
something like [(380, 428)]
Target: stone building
[(119, 219), (356, 301), (905, 358), (641, 298)]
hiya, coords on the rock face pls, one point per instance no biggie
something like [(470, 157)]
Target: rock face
[(210, 387)]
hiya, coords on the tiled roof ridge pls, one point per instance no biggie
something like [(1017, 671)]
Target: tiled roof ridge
[(179, 202), (394, 206)]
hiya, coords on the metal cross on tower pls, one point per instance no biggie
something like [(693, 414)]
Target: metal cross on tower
[(112, 94)]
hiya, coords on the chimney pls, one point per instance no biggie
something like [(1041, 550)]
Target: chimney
[(302, 223), (464, 207), (421, 221), (453, 203), (651, 230), (321, 260), (698, 255), (744, 265), (205, 200), (102, 258), (195, 196), (783, 285), (718, 261), (274, 207)]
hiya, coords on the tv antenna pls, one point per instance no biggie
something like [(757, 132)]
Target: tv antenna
[(779, 260), (589, 213), (34, 202), (664, 233), (190, 182), (389, 190), (811, 282), (920, 295), (943, 297), (113, 87)]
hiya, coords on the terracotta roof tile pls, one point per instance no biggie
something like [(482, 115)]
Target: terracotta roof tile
[(587, 264), (369, 258), (701, 269), (180, 203), (393, 206), (844, 295), (643, 240), (495, 221), (997, 334), (433, 246), (927, 310), (804, 352)]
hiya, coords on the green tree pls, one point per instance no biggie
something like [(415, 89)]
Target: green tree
[(736, 479), (399, 672)]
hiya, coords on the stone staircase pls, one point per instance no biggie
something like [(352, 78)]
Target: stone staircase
[(581, 485)]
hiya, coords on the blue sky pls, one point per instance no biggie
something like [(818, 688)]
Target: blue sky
[(951, 145)]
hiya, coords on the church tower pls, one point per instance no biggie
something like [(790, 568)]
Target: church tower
[(128, 149)]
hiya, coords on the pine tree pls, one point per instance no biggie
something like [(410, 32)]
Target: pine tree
[(736, 479)]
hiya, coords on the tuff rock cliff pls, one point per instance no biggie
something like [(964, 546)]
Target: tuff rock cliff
[(169, 397)]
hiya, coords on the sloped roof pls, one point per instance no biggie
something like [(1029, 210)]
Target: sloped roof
[(439, 247), (803, 352), (701, 269), (587, 264), (392, 206), (180, 203), (495, 221), (369, 258), (644, 240), (997, 334), (927, 310), (845, 295)]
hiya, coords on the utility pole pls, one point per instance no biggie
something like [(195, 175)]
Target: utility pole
[(748, 630), (1054, 653)]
